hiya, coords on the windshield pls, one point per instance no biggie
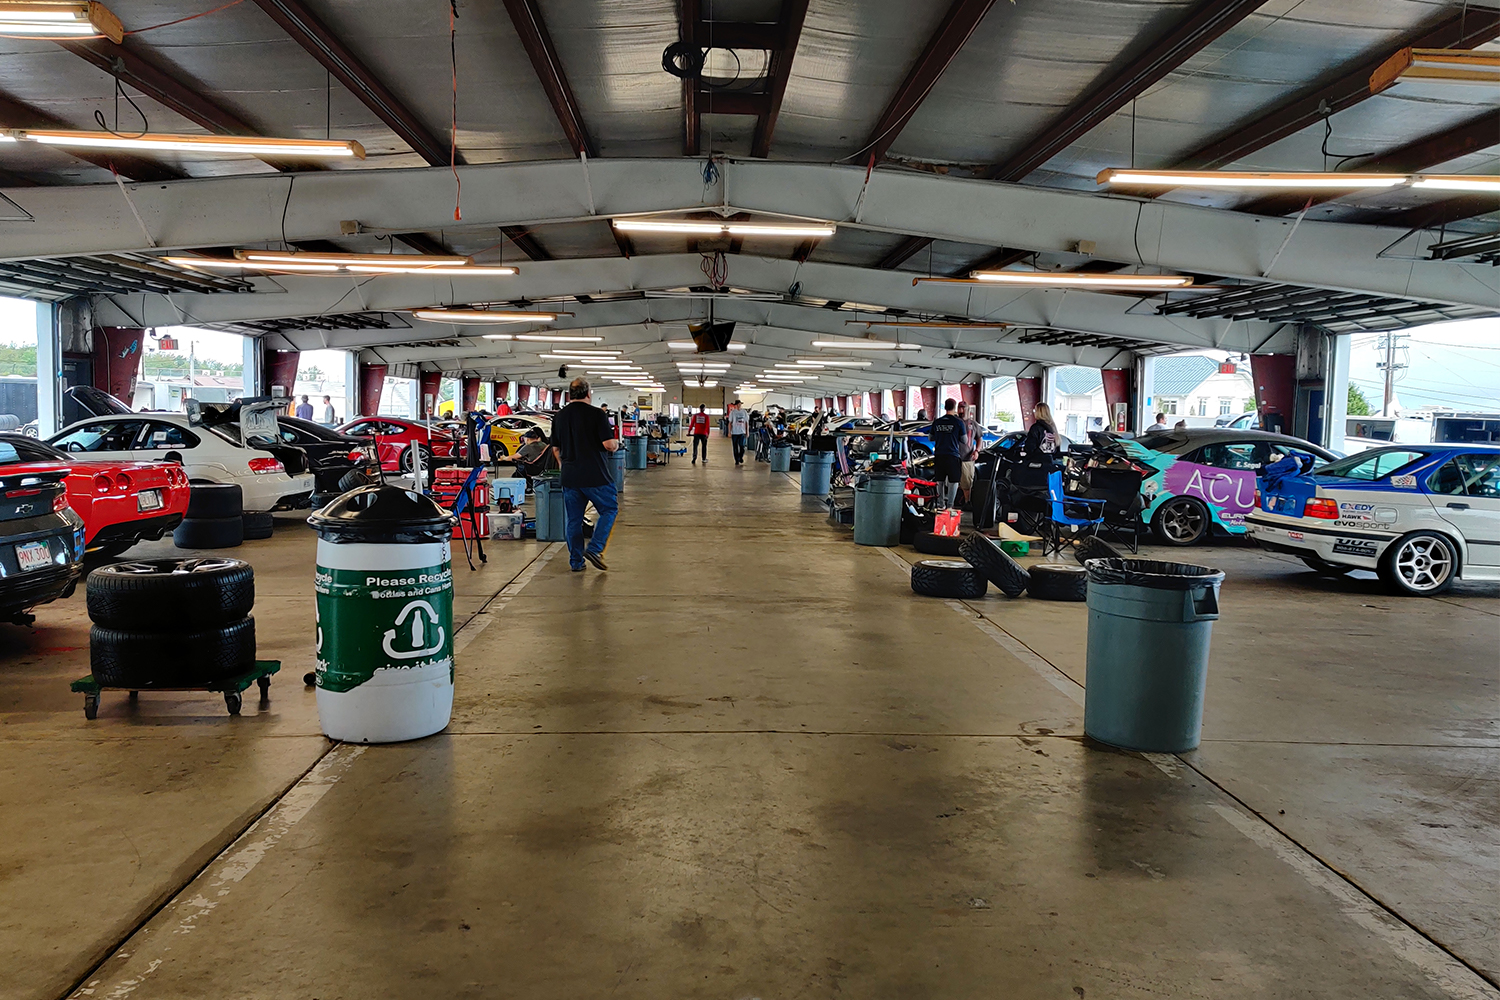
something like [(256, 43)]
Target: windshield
[(1159, 441), (1372, 465)]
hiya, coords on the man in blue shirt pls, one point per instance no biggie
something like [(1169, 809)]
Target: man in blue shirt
[(949, 437)]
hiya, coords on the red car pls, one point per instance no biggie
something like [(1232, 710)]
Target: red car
[(121, 503), (395, 439)]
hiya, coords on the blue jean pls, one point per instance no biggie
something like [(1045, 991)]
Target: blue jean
[(739, 448), (606, 502)]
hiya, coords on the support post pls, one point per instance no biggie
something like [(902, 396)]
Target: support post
[(1029, 392), (1336, 427), (250, 372), (48, 371)]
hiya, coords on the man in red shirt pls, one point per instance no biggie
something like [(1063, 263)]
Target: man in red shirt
[(698, 426)]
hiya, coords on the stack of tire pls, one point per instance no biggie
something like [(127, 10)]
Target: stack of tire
[(171, 623), (216, 519), (984, 562)]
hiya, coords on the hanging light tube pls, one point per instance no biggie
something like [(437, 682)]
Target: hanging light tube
[(694, 227), (442, 315), (688, 345), (1437, 66), (549, 338), (931, 324), (1478, 183), (243, 145), (349, 263), (1073, 279), (73, 18), (1249, 179), (868, 345)]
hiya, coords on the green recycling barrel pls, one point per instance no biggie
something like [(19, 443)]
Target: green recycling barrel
[(551, 512), (781, 458), (384, 640), (1148, 636), (877, 510)]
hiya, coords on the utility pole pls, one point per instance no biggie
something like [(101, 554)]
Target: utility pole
[(1390, 366)]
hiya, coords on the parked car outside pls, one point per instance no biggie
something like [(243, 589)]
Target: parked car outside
[(397, 441), (1420, 516), (211, 454), (41, 536), (121, 503), (1204, 479)]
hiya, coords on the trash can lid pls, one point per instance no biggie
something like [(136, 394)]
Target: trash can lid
[(1153, 573), (383, 513)]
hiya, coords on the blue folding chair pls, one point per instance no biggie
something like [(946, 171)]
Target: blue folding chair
[(1037, 491)]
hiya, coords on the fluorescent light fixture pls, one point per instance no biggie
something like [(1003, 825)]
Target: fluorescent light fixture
[(220, 263), (833, 362), (549, 338), (688, 345), (1437, 66), (165, 142), (931, 324), (351, 259), (580, 356), (694, 227), (1074, 279), (349, 263), (1457, 182), (868, 345), (438, 315), (499, 336), (477, 271), (1249, 179), (60, 18)]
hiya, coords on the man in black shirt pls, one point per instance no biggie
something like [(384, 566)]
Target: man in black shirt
[(583, 439)]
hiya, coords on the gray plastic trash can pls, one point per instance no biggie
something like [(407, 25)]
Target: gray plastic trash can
[(877, 510), (551, 515), (1149, 629), (781, 458), (635, 452), (617, 459), (817, 467)]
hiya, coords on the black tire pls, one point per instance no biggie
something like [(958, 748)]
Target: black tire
[(1094, 547), (935, 545), (1181, 521), (209, 533), (1420, 564), (320, 500), (257, 524), (145, 660), (1327, 569), (1059, 582), (215, 500), (160, 595), (353, 480), (986, 556), (947, 578)]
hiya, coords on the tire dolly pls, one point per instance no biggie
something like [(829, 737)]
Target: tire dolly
[(230, 687)]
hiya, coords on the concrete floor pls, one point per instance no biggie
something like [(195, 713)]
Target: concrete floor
[(749, 762)]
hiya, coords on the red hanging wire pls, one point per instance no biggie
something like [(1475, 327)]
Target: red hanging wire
[(453, 140)]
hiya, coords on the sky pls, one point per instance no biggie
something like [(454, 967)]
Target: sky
[(1449, 364)]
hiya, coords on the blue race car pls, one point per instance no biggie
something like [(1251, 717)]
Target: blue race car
[(1420, 516)]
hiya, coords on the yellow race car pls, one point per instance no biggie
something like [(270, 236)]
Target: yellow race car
[(505, 432)]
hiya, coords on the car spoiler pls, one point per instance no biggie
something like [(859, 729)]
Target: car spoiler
[(33, 477)]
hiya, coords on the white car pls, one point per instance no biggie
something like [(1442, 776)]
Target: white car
[(1421, 516), (206, 453)]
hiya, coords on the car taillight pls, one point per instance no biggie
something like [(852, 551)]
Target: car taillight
[(102, 483), (262, 466), (59, 503), (1321, 507), (356, 456), (122, 483)]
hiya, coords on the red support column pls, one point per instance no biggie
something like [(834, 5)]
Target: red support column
[(930, 401), (1029, 390), (969, 393), (117, 360), (429, 384), (898, 398), (502, 395), (281, 369), (1117, 398), (470, 394), (1275, 377), (371, 384)]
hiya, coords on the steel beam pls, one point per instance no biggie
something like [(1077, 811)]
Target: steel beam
[(690, 18), (18, 115), (1429, 151), (422, 243), (1001, 258), (539, 49), (140, 71), (904, 251), (312, 34), (1186, 39), (521, 238), (793, 14), (1438, 214), (247, 209), (946, 42), (1344, 88)]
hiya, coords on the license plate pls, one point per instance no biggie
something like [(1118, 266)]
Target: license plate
[(148, 500), (33, 555)]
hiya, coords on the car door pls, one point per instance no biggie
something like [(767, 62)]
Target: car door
[(1465, 491)]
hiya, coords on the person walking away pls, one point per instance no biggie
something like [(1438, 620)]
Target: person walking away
[(582, 440), (1041, 439), (698, 427), (973, 437), (739, 426), (304, 410), (1160, 425), (329, 417), (948, 439)]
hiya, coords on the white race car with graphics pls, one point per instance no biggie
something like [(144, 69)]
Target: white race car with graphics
[(1421, 516)]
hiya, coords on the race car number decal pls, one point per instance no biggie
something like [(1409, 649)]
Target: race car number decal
[(1354, 547), (1404, 482)]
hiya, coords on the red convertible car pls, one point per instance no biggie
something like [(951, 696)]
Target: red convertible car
[(121, 503), (395, 439)]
